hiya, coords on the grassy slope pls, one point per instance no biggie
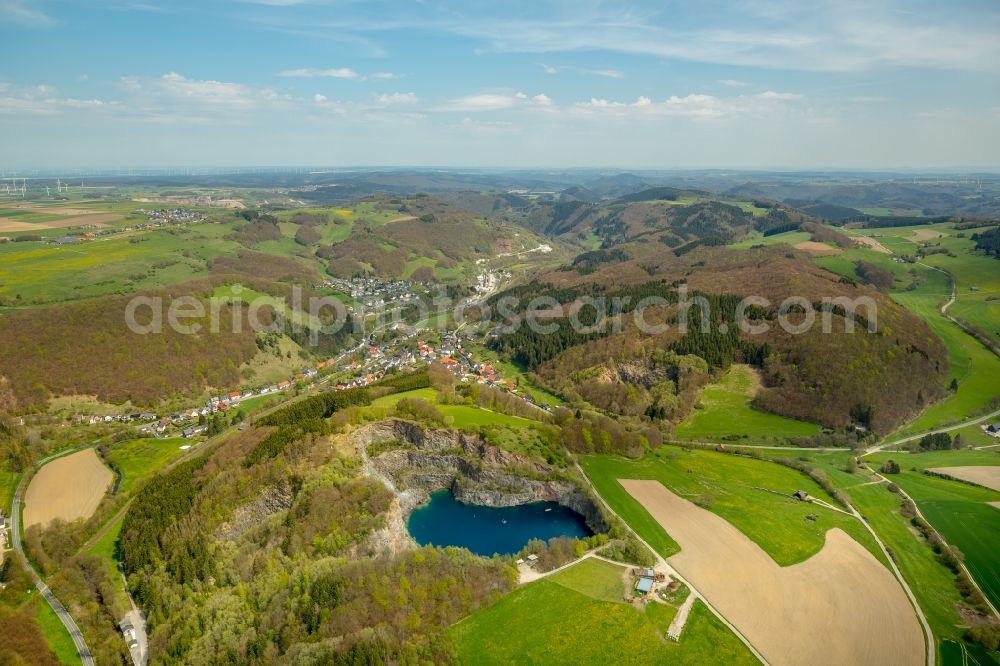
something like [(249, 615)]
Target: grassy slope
[(105, 546), (140, 458), (55, 634), (547, 623), (777, 524), (37, 270), (8, 485), (958, 510), (464, 416), (970, 363), (595, 578), (930, 581), (726, 410)]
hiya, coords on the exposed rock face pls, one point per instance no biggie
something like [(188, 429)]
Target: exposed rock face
[(641, 373), (474, 471), (272, 500)]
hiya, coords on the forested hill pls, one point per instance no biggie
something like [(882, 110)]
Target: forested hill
[(664, 215), (266, 550), (875, 379)]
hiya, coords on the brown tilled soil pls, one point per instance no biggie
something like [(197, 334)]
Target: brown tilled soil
[(70, 487), (925, 235), (983, 475), (839, 607), (817, 249), (99, 220)]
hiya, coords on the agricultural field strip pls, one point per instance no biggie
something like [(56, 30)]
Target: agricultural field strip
[(69, 487), (960, 564), (876, 540), (981, 475), (663, 564), (50, 598), (757, 593)]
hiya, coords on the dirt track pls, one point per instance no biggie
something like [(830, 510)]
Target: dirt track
[(839, 607), (70, 487), (872, 244), (985, 475)]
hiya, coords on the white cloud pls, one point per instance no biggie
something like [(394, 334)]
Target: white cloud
[(733, 83), (825, 35), (484, 102), (607, 73), (496, 102), (210, 92), (383, 76), (549, 69), (392, 99), (695, 106), (319, 99), (310, 73), (869, 99), (21, 12), (785, 97), (42, 100)]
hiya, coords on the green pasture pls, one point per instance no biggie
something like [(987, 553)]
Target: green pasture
[(548, 623), (138, 459), (728, 486), (725, 410)]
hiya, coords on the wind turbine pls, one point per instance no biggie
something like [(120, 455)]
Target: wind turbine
[(46, 190)]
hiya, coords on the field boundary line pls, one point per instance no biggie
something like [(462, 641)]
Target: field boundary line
[(75, 634), (662, 561), (961, 564)]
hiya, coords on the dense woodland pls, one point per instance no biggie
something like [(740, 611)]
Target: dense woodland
[(864, 371), (988, 242), (297, 578), (80, 349)]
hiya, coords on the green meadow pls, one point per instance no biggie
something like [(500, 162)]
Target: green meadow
[(138, 459), (923, 290), (788, 530), (931, 582), (785, 238), (39, 272), (463, 416), (595, 578), (724, 408), (959, 511), (549, 623), (55, 633), (106, 546)]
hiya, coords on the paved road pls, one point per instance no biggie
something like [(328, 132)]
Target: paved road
[(60, 610), (957, 426)]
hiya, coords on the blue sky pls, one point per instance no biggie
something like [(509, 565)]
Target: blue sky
[(667, 84)]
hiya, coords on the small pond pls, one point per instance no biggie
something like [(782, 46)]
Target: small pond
[(444, 521)]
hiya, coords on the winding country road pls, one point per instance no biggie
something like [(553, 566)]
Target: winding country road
[(50, 598)]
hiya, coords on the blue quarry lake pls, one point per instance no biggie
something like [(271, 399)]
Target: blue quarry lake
[(444, 521)]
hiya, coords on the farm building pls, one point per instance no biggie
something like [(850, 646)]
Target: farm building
[(644, 586)]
